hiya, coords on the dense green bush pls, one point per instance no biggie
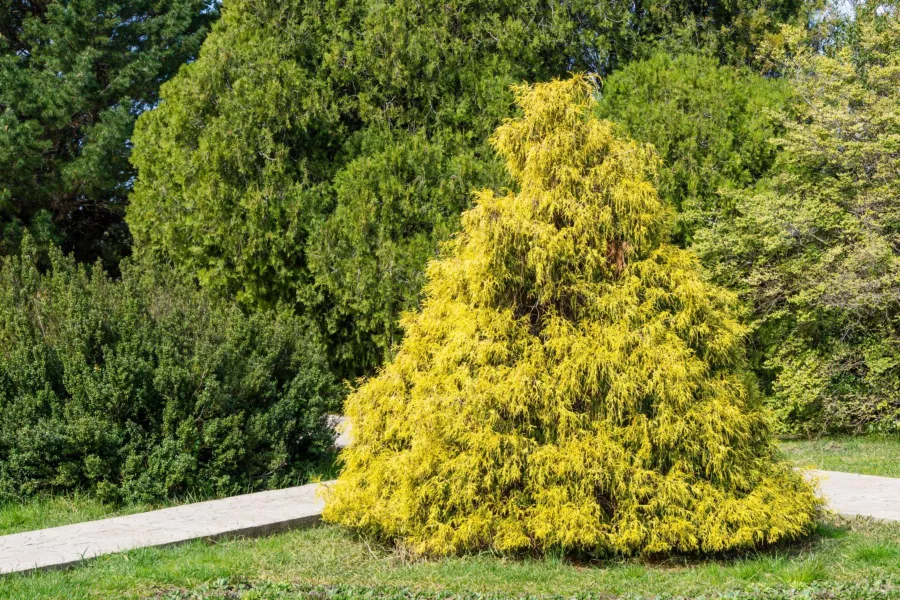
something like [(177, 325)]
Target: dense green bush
[(710, 124), (142, 388), (814, 248), (317, 153)]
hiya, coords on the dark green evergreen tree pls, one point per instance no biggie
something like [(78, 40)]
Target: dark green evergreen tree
[(74, 75)]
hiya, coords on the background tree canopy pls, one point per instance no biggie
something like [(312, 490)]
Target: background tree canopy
[(710, 123), (814, 248), (73, 78), (317, 152)]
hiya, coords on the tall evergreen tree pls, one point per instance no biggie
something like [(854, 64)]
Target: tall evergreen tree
[(571, 382), (317, 152), (74, 75)]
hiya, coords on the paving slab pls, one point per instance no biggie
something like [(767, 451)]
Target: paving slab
[(860, 495), (341, 426), (247, 515)]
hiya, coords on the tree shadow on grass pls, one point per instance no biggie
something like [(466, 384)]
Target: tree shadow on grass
[(827, 529)]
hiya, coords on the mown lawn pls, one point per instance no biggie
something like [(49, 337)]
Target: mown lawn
[(63, 510), (868, 455), (54, 511), (854, 557)]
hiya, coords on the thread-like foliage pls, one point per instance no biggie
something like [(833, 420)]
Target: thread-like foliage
[(570, 383)]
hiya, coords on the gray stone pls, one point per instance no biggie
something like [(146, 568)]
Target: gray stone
[(342, 426), (860, 495)]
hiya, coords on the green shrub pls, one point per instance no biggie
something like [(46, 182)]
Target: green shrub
[(710, 124), (571, 382), (143, 388)]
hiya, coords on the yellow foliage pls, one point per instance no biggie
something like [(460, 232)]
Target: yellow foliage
[(571, 383)]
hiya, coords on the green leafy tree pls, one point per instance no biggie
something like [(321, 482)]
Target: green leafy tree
[(73, 78), (571, 383), (316, 153), (815, 247), (710, 124)]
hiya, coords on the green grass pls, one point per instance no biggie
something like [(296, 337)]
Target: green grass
[(54, 511), (868, 455), (60, 510), (855, 552)]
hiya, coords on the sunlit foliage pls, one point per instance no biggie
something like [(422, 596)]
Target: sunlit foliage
[(570, 383), (815, 247)]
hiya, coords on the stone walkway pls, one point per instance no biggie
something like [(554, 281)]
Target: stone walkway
[(860, 495)]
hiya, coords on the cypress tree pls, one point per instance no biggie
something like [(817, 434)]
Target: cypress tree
[(710, 123), (73, 78), (571, 383)]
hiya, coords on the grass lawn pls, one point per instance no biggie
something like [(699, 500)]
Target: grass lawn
[(854, 557), (868, 455), (53, 511), (62, 510)]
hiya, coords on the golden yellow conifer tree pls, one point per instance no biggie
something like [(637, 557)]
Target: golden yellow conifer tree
[(571, 383)]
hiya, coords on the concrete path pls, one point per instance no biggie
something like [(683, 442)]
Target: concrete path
[(341, 425), (247, 515), (860, 495)]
